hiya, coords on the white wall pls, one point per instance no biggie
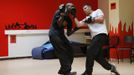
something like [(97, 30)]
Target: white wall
[(26, 40), (133, 19), (133, 10), (104, 6), (114, 14), (126, 12)]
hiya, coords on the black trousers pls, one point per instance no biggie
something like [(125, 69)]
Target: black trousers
[(95, 52), (64, 51)]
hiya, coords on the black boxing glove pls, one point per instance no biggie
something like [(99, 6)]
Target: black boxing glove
[(74, 30), (62, 8), (73, 11), (90, 19)]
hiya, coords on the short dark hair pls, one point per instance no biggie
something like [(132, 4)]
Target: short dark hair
[(87, 4)]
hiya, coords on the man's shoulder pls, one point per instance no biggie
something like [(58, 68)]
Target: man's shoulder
[(98, 10)]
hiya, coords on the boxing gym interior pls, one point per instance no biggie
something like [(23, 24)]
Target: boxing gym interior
[(24, 28)]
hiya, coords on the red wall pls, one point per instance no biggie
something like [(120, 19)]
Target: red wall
[(39, 12), (121, 34)]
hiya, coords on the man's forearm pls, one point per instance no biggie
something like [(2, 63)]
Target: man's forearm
[(98, 20), (77, 22), (60, 21)]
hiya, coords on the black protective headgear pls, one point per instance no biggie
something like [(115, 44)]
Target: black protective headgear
[(70, 8)]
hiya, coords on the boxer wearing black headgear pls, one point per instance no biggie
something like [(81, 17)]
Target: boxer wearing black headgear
[(71, 9), (59, 41)]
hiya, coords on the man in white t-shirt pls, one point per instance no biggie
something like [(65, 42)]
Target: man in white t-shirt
[(97, 27)]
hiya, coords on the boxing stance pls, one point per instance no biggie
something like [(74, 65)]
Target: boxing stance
[(59, 41), (97, 27)]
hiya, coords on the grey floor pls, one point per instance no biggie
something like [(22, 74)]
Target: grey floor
[(29, 66)]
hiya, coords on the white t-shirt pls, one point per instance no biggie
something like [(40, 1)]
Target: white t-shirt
[(96, 28)]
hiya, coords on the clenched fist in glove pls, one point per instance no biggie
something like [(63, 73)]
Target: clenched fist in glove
[(74, 30), (73, 11), (90, 19), (62, 8)]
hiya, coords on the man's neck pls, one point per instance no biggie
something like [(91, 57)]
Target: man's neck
[(90, 13)]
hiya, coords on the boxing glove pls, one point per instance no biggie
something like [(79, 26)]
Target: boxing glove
[(62, 8), (73, 11), (90, 19), (74, 30)]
